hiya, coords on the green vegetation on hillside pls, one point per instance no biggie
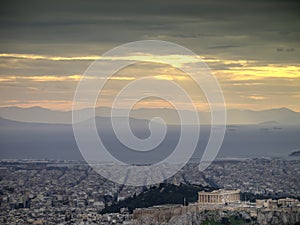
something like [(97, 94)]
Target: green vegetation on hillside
[(163, 194)]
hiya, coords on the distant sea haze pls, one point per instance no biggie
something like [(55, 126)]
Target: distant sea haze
[(19, 140)]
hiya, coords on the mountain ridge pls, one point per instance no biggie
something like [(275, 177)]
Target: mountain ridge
[(36, 114)]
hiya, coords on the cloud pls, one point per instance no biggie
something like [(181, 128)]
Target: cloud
[(169, 77), (254, 97), (260, 72), (285, 49), (44, 57), (57, 78), (251, 46), (224, 46), (44, 78)]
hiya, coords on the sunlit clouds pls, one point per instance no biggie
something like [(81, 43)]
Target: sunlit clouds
[(251, 47), (46, 78), (43, 57), (260, 72), (245, 83)]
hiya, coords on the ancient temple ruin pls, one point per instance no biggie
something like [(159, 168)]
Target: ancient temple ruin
[(219, 196)]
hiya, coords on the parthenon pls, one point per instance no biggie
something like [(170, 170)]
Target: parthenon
[(219, 196)]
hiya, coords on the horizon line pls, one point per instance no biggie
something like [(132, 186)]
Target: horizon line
[(153, 108)]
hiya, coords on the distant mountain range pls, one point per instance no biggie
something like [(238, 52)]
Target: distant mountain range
[(24, 140), (280, 116)]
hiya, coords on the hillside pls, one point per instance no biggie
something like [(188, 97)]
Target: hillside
[(161, 195)]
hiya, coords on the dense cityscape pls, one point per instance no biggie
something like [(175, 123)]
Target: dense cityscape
[(70, 192)]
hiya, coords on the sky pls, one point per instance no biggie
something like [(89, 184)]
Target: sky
[(251, 47)]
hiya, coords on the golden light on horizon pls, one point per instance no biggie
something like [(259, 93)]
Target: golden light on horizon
[(229, 72), (261, 72)]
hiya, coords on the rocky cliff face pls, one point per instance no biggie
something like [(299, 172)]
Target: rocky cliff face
[(287, 216), (197, 216)]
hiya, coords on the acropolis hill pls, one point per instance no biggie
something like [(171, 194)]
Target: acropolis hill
[(220, 206)]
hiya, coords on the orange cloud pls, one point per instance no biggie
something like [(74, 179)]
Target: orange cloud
[(261, 72), (50, 78), (254, 97), (44, 57), (169, 77)]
